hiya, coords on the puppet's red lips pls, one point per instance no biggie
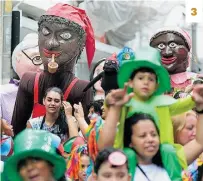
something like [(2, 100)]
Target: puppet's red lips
[(168, 61), (49, 54)]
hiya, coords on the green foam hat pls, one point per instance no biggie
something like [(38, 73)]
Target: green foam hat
[(145, 58), (38, 144)]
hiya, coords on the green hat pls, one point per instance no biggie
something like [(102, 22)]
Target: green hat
[(145, 58), (34, 143)]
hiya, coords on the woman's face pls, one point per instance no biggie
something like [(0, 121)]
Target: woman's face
[(189, 131), (85, 163), (97, 71), (52, 102), (145, 140), (35, 169)]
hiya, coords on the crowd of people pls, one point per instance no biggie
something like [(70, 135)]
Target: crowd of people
[(139, 118)]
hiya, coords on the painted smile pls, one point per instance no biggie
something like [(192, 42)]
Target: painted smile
[(168, 61), (49, 54)]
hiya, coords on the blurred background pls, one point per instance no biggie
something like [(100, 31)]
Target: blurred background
[(116, 24)]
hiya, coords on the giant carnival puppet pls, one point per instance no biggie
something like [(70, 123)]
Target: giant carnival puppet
[(175, 46), (25, 57), (63, 33)]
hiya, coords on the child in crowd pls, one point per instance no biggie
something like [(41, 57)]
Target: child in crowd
[(79, 165), (111, 164)]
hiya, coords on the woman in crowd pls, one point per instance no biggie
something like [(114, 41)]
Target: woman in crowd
[(57, 121), (185, 126), (95, 108), (35, 158)]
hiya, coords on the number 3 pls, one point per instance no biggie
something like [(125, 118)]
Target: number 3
[(194, 11)]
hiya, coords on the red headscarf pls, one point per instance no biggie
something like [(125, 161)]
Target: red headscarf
[(78, 16)]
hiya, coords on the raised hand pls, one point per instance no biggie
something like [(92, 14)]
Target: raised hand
[(7, 128), (67, 108), (118, 97), (78, 113), (197, 95)]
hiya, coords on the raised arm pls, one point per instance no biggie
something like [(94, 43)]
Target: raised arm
[(195, 147), (115, 100), (71, 121), (79, 115)]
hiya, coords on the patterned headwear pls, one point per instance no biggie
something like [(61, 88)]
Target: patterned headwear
[(79, 17), (74, 161), (176, 30)]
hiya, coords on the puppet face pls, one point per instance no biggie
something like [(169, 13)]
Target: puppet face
[(174, 52), (28, 60), (61, 40)]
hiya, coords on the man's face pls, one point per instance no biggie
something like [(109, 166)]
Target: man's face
[(107, 172), (174, 52), (58, 39)]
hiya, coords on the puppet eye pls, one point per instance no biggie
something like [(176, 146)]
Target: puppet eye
[(172, 44), (37, 60), (65, 36), (161, 46), (45, 31)]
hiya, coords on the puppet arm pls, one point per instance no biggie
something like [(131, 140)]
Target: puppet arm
[(87, 98), (24, 103), (108, 131)]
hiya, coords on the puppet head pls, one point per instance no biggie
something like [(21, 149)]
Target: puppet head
[(64, 31), (175, 45), (26, 56)]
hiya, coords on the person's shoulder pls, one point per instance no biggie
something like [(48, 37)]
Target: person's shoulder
[(27, 80), (82, 83), (28, 76), (8, 88), (36, 120), (162, 100)]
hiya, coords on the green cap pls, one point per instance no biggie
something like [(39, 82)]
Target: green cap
[(145, 58), (34, 143)]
